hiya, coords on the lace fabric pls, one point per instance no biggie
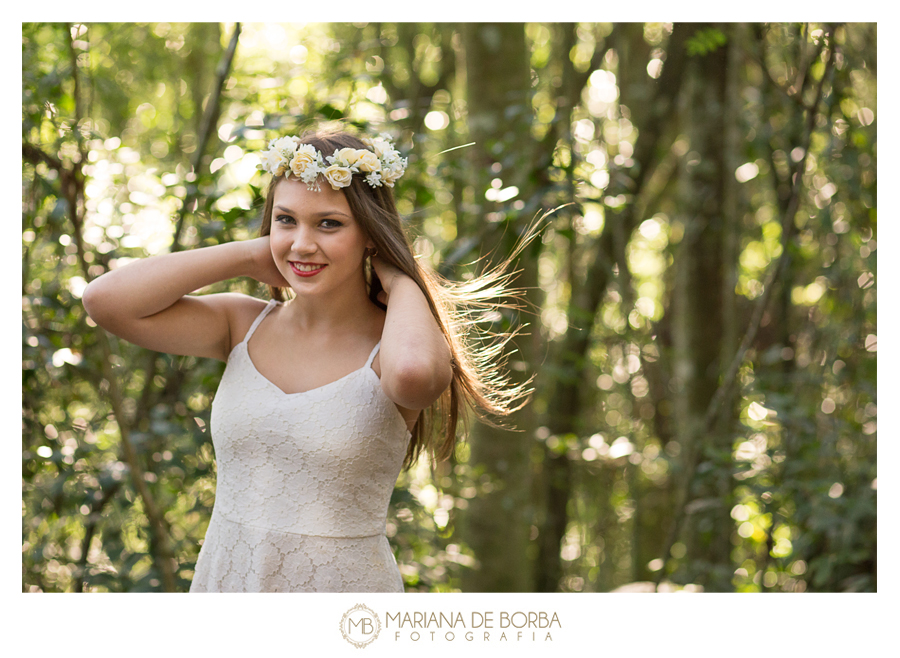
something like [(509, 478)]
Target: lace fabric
[(303, 484)]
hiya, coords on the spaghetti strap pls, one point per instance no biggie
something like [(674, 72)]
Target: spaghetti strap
[(259, 318), (372, 355)]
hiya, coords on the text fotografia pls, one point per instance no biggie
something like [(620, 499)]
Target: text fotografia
[(480, 626)]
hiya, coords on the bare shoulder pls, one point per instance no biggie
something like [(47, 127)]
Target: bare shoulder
[(241, 310), (238, 310)]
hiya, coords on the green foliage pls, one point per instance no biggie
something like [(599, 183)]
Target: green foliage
[(705, 41)]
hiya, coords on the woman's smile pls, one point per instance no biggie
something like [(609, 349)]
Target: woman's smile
[(306, 269)]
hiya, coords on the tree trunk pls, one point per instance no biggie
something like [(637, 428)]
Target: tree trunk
[(698, 329), (497, 523)]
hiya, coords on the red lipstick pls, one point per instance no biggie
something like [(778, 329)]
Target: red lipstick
[(295, 269)]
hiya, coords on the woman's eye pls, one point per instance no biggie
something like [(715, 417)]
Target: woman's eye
[(325, 223)]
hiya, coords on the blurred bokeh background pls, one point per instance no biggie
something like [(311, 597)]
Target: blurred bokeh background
[(702, 327)]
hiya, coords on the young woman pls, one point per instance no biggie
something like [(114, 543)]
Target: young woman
[(321, 402)]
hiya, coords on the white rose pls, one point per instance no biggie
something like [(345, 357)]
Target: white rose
[(274, 162), (338, 176), (381, 147), (286, 146)]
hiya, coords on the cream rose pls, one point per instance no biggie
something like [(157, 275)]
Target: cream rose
[(368, 161), (346, 157), (389, 176), (392, 170), (306, 155), (338, 176)]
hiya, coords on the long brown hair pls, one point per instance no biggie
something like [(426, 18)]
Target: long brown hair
[(480, 382)]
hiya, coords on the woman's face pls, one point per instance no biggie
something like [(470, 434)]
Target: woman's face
[(317, 244)]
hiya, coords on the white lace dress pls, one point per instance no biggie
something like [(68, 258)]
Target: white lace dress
[(303, 484)]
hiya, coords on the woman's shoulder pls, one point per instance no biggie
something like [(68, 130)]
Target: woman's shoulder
[(241, 311)]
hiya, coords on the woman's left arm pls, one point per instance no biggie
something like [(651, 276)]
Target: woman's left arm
[(415, 356)]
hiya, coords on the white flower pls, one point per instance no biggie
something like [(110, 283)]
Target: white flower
[(373, 178), (274, 162), (285, 146), (310, 176), (381, 147)]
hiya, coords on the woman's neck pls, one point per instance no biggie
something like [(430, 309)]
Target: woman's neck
[(333, 312)]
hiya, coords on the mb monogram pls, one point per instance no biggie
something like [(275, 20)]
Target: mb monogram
[(360, 625)]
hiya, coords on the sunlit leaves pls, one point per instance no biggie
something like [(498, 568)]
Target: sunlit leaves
[(706, 41)]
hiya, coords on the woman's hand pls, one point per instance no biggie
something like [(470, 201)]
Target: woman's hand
[(263, 268)]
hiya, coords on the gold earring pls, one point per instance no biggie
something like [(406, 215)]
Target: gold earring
[(373, 253)]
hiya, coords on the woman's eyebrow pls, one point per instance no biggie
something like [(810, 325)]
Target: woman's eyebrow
[(324, 213)]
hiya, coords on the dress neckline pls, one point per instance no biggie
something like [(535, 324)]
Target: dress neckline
[(246, 344), (311, 390), (298, 394)]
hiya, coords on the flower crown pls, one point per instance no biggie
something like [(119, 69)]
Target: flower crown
[(382, 164)]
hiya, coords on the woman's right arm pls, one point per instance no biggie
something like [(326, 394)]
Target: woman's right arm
[(146, 302)]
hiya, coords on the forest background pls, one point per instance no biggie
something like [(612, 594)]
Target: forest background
[(702, 306)]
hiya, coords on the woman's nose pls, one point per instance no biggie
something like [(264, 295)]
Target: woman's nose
[(304, 240)]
